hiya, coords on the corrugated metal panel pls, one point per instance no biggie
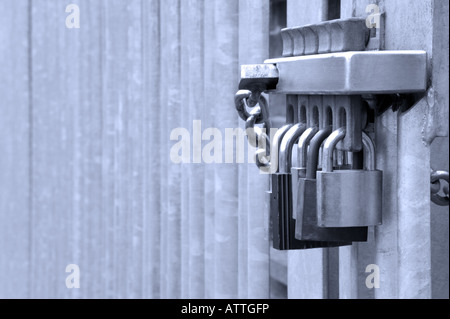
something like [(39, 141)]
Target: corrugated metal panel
[(254, 46), (152, 166), (209, 121), (226, 72), (15, 147), (86, 136), (195, 56)]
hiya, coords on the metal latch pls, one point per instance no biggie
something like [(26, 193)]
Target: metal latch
[(332, 74)]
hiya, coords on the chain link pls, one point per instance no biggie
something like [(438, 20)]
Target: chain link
[(437, 179), (259, 115)]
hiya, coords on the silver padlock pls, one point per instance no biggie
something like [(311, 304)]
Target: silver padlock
[(306, 222), (349, 198), (300, 171)]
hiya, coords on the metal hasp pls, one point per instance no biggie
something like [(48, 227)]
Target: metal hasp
[(352, 73), (338, 57)]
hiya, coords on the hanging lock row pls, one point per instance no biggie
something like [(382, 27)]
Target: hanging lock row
[(313, 206)]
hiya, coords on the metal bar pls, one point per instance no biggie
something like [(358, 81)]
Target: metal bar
[(152, 182), (245, 189), (348, 272), (123, 150), (439, 106), (347, 73), (196, 224), (226, 72), (186, 120), (134, 171), (308, 274), (413, 207), (440, 148), (51, 148), (15, 162), (208, 120), (410, 145), (386, 234), (164, 94), (170, 74), (243, 199)]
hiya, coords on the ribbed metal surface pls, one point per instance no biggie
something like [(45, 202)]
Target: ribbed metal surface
[(86, 171)]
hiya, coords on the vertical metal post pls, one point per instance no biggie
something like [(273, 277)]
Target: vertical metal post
[(386, 257), (186, 121), (170, 76), (226, 196), (254, 46), (15, 136), (209, 121), (196, 224), (152, 213), (414, 238)]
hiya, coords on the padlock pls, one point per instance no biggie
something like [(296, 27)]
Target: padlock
[(300, 171), (306, 207), (282, 180), (276, 225), (283, 226), (349, 198)]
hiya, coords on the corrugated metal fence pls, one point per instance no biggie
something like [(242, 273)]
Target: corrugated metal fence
[(85, 134), (86, 176)]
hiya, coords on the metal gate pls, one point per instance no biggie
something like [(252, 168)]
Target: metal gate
[(86, 133)]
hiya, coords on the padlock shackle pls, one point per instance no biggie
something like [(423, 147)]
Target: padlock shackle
[(287, 146), (303, 143), (369, 152), (329, 146), (313, 152), (275, 147)]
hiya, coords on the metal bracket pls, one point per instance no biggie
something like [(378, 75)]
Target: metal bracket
[(350, 73), (259, 77)]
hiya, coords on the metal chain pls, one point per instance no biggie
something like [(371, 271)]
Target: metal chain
[(259, 115), (437, 179)]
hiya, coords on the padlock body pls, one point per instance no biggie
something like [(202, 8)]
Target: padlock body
[(307, 228), (349, 198), (283, 226), (296, 174)]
